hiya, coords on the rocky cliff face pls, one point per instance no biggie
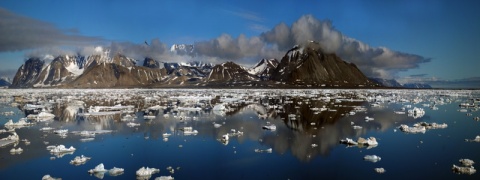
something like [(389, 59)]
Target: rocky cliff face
[(28, 73), (312, 67), (229, 71), (264, 68), (108, 75), (151, 63)]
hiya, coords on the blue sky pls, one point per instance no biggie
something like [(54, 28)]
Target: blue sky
[(433, 40)]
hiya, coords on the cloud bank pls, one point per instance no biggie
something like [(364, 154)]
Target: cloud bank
[(379, 62), (21, 33), (44, 38), (373, 61)]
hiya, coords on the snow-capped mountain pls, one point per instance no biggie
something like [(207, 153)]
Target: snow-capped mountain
[(264, 68), (5, 81), (182, 49), (305, 66), (387, 82)]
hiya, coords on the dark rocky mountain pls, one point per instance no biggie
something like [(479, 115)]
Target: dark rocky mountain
[(417, 86), (310, 66), (27, 73), (151, 63), (387, 82), (264, 68), (109, 75), (230, 72)]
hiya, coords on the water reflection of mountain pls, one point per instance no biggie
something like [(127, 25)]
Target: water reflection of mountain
[(300, 121)]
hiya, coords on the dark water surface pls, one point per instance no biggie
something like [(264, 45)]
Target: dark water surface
[(203, 156)]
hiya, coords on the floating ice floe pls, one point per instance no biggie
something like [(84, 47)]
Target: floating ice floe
[(79, 160), (87, 139), (380, 170), (270, 127), (477, 139), (128, 117), (10, 139), (20, 123), (189, 131), (150, 116), (369, 142), (44, 116), (407, 129), (369, 119), (147, 171), (98, 169), (48, 177), (348, 141), (357, 127), (416, 112), (164, 178), (46, 129), (216, 125), (463, 170), (372, 158), (466, 162), (132, 124), (431, 125), (62, 149), (115, 171), (269, 150), (16, 151)]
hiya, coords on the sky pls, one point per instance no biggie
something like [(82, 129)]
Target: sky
[(434, 42)]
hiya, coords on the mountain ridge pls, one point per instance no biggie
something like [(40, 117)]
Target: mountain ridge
[(305, 66)]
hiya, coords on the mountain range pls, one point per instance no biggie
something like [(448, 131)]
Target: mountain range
[(306, 66)]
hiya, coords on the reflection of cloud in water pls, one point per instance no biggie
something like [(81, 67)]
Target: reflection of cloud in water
[(323, 128)]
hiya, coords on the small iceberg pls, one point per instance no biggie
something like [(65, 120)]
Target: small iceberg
[(466, 162), (357, 127), (270, 127), (44, 116), (132, 124), (20, 123), (62, 149), (413, 130), (372, 158), (16, 151), (430, 125), (269, 150), (98, 169), (477, 139), (164, 178), (166, 135), (216, 125), (147, 171), (46, 129), (380, 170), (348, 141), (189, 131), (463, 170), (48, 177), (371, 141), (79, 160), (115, 171), (369, 119)]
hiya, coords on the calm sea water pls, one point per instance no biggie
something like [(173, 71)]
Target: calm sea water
[(203, 156)]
